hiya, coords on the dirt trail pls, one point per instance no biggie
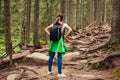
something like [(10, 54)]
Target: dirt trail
[(74, 74), (39, 72)]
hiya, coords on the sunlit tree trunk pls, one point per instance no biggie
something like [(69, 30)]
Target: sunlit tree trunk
[(7, 29), (81, 13), (77, 15), (115, 20), (36, 25), (104, 17), (67, 11)]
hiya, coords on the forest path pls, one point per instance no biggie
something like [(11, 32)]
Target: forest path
[(74, 70), (32, 71), (73, 74), (40, 73)]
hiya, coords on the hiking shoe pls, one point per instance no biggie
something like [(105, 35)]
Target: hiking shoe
[(49, 72), (61, 75)]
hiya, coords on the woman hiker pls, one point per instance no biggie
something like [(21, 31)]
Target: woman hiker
[(57, 46)]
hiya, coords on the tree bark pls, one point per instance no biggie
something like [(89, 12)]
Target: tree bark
[(71, 13), (81, 13), (28, 17), (0, 13), (47, 20), (62, 6), (51, 11), (115, 20), (98, 10), (104, 17), (7, 29), (22, 42), (91, 11), (36, 25), (77, 15)]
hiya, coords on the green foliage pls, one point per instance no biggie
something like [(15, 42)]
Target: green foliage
[(112, 45), (116, 72), (44, 42), (15, 39), (114, 42), (96, 65), (2, 43)]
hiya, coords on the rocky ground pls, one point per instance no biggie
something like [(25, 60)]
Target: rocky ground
[(91, 56), (32, 71), (28, 69)]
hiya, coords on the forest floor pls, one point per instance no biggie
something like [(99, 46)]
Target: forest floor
[(31, 71), (90, 57), (41, 74)]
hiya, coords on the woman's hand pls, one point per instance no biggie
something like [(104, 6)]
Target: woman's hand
[(68, 32), (47, 30)]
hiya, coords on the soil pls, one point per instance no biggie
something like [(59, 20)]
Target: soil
[(32, 71)]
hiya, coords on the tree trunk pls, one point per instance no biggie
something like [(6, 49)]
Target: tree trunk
[(115, 20), (22, 42), (62, 6), (71, 13), (28, 16), (77, 15), (36, 25), (47, 20), (0, 13), (104, 11), (67, 11), (91, 11), (7, 29), (51, 11), (98, 10), (81, 13)]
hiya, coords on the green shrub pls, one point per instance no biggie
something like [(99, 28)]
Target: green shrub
[(116, 72)]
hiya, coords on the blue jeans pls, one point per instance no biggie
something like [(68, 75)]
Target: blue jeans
[(59, 62)]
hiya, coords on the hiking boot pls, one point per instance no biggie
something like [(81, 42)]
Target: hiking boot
[(61, 75)]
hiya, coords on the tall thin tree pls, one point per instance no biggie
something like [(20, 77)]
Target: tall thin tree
[(71, 13), (91, 11), (63, 7), (115, 23), (28, 15), (22, 40), (47, 20), (0, 12), (36, 25), (104, 16), (98, 10), (77, 15), (7, 29), (81, 13)]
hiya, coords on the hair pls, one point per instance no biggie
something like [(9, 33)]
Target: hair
[(60, 15)]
